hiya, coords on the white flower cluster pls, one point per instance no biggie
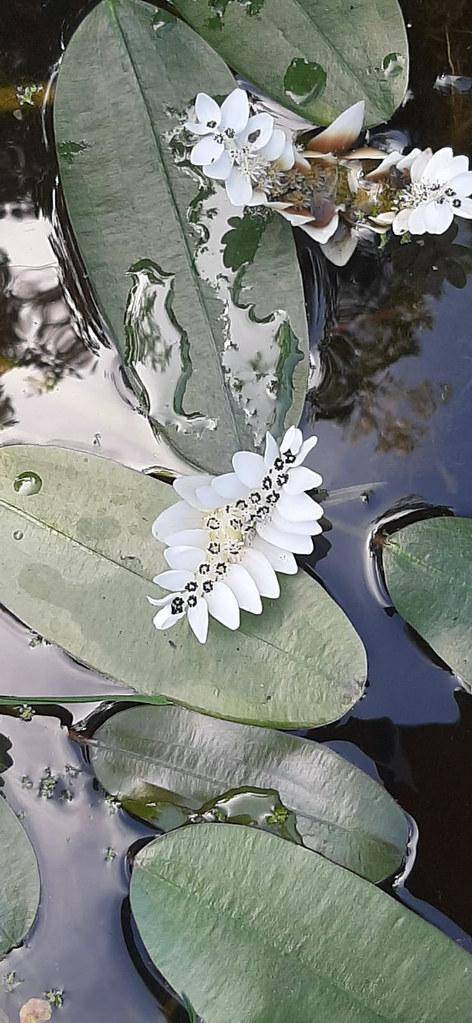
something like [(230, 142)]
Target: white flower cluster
[(229, 535), (234, 146), (329, 188)]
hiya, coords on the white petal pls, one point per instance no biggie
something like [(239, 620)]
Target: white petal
[(186, 487), (207, 110), (464, 210), (301, 479), (198, 619), (462, 184), (165, 619), (174, 580), (235, 111), (416, 222), (189, 538), (198, 129), (294, 542), (406, 161), (298, 507), (459, 165), (305, 449), (178, 516), (342, 133), (341, 246), (258, 131), (208, 498), (322, 234), (223, 606), (208, 150), (292, 440), (221, 169), (271, 450), (306, 527), (402, 219), (163, 601), (261, 571), (437, 164), (229, 487), (287, 159), (244, 588), (238, 187), (274, 147), (249, 468), (281, 561), (420, 163), (438, 217), (389, 161), (184, 557)]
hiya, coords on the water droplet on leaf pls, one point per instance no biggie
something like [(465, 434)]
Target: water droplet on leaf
[(27, 483)]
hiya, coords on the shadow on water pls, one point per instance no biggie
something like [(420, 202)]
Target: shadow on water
[(390, 399)]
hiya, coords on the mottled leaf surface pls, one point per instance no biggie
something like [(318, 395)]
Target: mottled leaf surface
[(316, 58), (428, 568), (78, 560), (251, 927), (190, 759)]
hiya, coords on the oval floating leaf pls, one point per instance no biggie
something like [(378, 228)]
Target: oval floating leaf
[(19, 880), (252, 928), (150, 231), (78, 558), (316, 58), (189, 760), (428, 569)]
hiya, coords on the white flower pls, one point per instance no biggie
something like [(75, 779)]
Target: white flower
[(229, 535), (235, 146), (435, 188)]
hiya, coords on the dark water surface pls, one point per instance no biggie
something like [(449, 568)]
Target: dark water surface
[(392, 362)]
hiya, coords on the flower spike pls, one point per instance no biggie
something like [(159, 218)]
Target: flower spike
[(229, 536)]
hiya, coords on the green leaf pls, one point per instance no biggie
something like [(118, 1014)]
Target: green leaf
[(257, 929), (78, 558), (427, 569), (149, 229), (174, 755), (316, 58), (19, 879)]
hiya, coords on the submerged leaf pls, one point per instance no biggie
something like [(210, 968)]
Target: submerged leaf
[(78, 559), (150, 229), (19, 880), (254, 929), (314, 58), (179, 758), (428, 570)]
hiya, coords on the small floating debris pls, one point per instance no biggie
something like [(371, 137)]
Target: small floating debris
[(35, 1010)]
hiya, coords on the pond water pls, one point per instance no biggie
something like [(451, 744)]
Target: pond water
[(392, 375)]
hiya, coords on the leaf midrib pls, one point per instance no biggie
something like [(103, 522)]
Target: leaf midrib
[(264, 938), (116, 25)]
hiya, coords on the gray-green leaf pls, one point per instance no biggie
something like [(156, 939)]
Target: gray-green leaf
[(255, 929), (428, 569), (316, 58), (19, 880), (215, 355), (172, 754), (78, 560)]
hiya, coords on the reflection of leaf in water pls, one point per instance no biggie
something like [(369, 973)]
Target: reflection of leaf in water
[(382, 308), (157, 348), (5, 759), (242, 242)]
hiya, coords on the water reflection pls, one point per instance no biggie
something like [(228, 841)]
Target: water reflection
[(381, 313)]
